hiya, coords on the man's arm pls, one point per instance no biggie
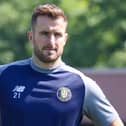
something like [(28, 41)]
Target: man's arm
[(117, 122), (0, 119), (98, 108)]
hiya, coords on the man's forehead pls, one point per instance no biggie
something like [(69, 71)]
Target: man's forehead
[(46, 19), (44, 22)]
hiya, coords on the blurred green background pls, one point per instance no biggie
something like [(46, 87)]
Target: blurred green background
[(97, 31)]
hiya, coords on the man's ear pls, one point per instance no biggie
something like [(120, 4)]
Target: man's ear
[(29, 35)]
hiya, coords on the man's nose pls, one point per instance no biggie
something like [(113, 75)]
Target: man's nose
[(52, 39)]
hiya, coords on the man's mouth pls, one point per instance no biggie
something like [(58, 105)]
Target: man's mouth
[(50, 49)]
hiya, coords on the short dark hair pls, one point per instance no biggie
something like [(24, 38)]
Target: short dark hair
[(50, 10)]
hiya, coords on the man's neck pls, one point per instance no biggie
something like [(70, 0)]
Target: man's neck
[(43, 65)]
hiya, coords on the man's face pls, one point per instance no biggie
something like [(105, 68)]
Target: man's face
[(48, 38)]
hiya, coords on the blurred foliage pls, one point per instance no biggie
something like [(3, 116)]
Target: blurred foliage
[(97, 31)]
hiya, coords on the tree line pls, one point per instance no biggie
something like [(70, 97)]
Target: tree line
[(97, 31)]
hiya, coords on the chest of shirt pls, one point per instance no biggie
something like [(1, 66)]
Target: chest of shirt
[(62, 92)]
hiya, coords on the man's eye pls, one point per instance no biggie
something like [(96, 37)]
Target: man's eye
[(44, 33), (58, 34)]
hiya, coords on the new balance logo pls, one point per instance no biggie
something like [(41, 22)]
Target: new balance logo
[(17, 91)]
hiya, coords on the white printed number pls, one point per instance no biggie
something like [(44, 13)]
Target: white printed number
[(16, 95)]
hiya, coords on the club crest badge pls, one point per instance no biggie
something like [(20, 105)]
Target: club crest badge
[(64, 94)]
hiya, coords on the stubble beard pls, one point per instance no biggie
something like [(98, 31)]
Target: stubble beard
[(45, 58)]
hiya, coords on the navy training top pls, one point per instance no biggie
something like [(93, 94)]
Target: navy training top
[(33, 97)]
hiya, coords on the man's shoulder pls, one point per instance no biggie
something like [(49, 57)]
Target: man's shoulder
[(15, 63), (74, 71), (86, 79), (71, 69)]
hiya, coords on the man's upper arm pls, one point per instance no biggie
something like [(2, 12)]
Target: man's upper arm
[(2, 68), (97, 107), (0, 118), (117, 122)]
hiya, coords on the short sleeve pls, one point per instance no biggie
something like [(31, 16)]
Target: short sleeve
[(96, 105)]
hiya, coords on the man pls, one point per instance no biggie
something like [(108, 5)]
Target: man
[(44, 91)]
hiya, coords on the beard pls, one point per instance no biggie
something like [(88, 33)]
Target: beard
[(47, 55)]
